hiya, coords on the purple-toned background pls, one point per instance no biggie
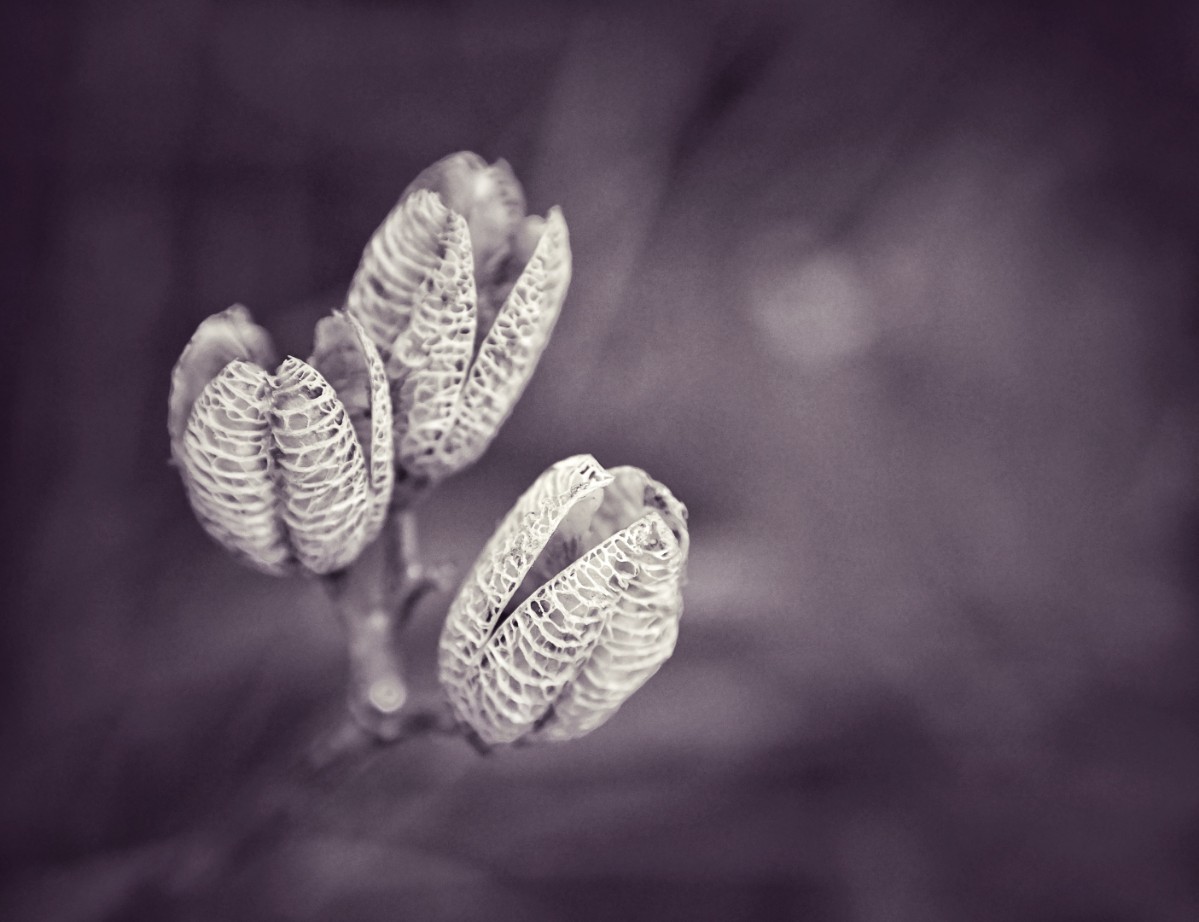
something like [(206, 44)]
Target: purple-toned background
[(899, 298)]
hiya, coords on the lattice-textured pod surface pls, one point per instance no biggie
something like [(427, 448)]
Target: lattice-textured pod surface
[(501, 568), (400, 255), (573, 604), (283, 470), (490, 198), (430, 359), (220, 339), (640, 634), (225, 455), (457, 247), (510, 351), (495, 287), (348, 360), (326, 502)]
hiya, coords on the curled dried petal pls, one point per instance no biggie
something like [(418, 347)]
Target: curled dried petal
[(225, 456), (326, 502)]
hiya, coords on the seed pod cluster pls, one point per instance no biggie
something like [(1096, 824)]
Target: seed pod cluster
[(575, 601)]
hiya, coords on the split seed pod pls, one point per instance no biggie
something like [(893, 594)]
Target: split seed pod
[(460, 291), (573, 604), (285, 470)]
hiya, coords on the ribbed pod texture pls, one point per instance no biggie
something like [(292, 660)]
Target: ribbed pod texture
[(434, 353), (400, 255), (459, 291), (321, 467), (345, 356), (278, 468), (558, 663), (513, 346), (229, 467)]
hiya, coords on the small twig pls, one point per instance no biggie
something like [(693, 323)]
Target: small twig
[(375, 598), (408, 580)]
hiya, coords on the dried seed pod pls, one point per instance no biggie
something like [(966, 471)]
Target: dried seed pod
[(490, 198), (220, 339), (513, 346), (460, 291), (284, 470), (400, 255), (229, 468), (345, 356), (572, 605), (432, 355)]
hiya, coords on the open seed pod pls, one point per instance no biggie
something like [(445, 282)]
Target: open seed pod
[(492, 202), (460, 291), (285, 470), (572, 605)]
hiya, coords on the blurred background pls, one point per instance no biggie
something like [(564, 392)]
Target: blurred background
[(899, 298)]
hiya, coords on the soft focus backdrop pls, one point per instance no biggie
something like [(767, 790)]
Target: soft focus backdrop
[(898, 297)]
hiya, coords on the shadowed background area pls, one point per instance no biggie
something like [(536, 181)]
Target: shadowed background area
[(898, 298)]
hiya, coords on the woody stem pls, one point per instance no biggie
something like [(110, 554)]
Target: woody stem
[(375, 598), (376, 690), (408, 580)]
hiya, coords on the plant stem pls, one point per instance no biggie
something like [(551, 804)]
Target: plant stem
[(375, 598), (376, 690)]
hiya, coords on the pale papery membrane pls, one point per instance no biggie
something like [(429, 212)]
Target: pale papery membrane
[(342, 352), (321, 467), (225, 455), (510, 351), (273, 464), (460, 290), (501, 566), (525, 658), (397, 259), (489, 197), (430, 360), (218, 340)]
